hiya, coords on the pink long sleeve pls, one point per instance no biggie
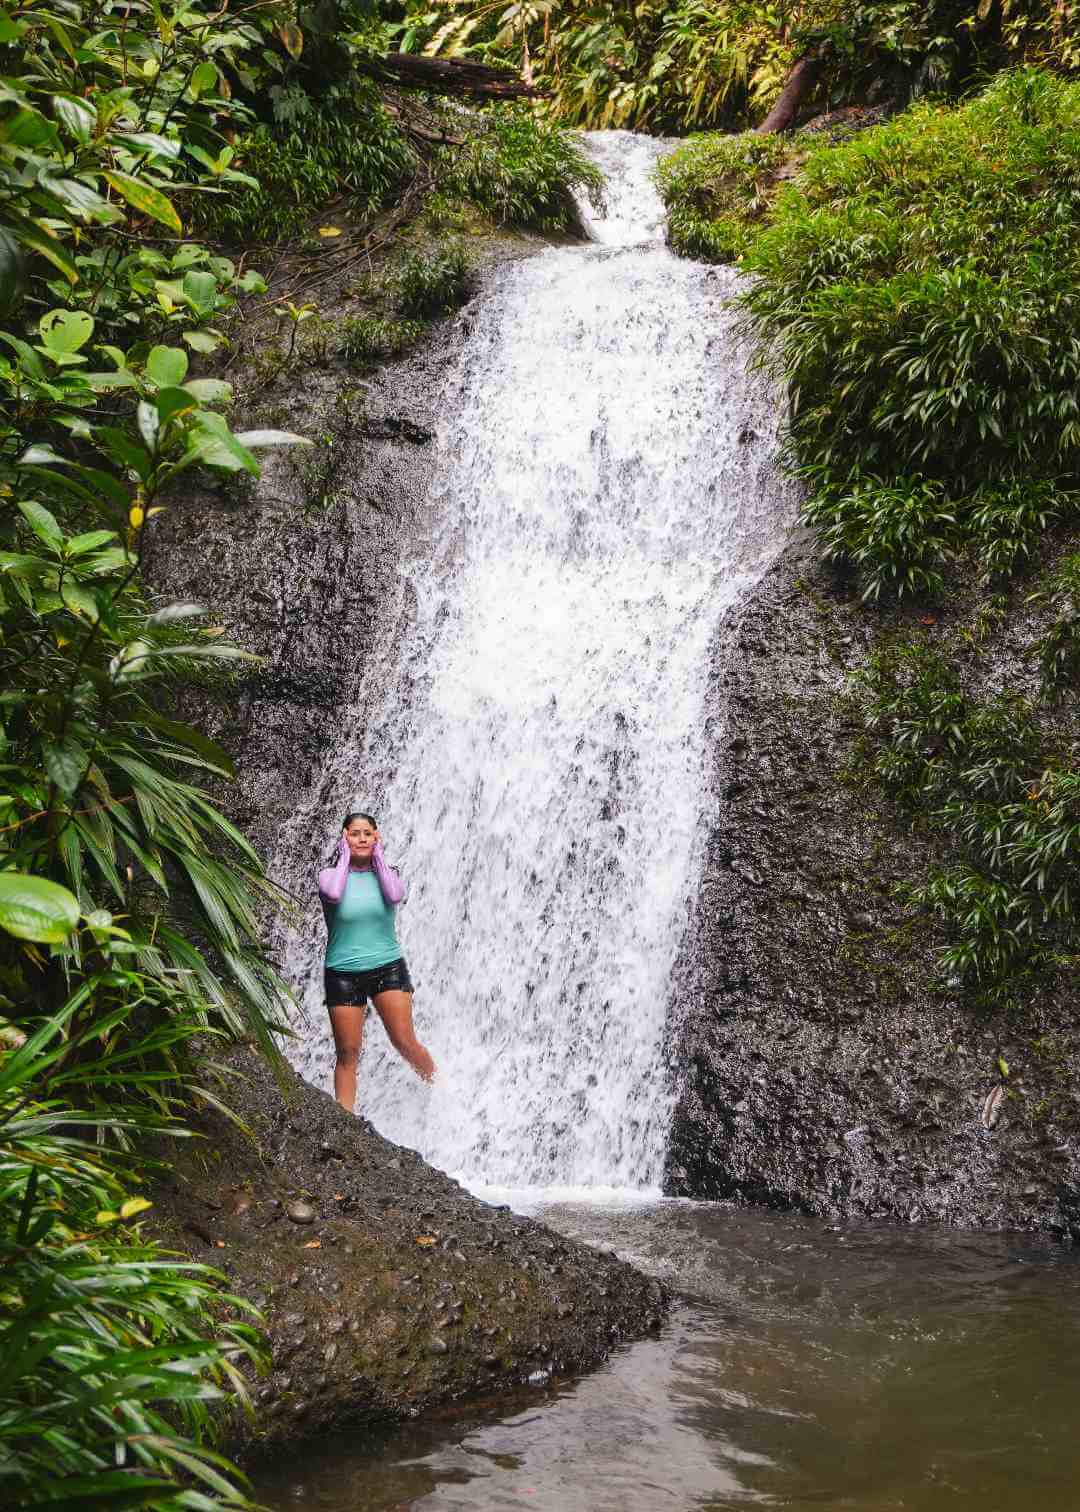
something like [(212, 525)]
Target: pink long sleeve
[(332, 879), (393, 888)]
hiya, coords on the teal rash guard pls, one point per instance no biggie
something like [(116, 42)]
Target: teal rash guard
[(361, 928)]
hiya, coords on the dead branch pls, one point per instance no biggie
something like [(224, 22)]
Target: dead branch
[(456, 76)]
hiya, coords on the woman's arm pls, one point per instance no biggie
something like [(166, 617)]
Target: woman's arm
[(332, 879), (393, 888)]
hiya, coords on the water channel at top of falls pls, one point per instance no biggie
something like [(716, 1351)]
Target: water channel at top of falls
[(607, 488), (534, 749)]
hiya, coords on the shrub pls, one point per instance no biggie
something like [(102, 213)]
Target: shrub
[(520, 170), (918, 290), (345, 147), (423, 287), (367, 338), (113, 1357), (984, 777), (715, 188), (1058, 648)]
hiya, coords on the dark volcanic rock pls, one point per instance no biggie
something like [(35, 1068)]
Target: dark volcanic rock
[(404, 1291), (820, 1066)]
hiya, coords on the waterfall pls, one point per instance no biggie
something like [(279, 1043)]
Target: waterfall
[(606, 485)]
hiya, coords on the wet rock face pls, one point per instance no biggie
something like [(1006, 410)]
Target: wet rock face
[(386, 1287), (819, 1067), (300, 567)]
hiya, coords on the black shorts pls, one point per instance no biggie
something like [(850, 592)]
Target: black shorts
[(358, 986)]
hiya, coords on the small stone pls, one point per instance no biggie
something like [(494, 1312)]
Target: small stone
[(438, 1347), (330, 1353), (301, 1212)]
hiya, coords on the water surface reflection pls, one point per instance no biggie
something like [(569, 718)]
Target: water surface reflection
[(868, 1368)]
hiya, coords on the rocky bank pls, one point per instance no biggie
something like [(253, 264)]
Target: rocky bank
[(823, 1063), (385, 1287)]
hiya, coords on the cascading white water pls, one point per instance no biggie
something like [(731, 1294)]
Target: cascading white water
[(606, 486)]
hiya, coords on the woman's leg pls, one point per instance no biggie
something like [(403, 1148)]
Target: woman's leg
[(395, 1010), (347, 1022)]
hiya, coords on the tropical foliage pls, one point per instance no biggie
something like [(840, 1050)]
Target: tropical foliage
[(678, 65), (917, 289), (990, 780), (914, 286)]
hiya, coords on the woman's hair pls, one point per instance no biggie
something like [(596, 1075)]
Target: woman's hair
[(357, 815)]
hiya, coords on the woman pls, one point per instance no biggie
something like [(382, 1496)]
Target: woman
[(363, 957)]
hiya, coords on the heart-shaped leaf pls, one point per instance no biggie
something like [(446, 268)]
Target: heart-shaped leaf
[(167, 366), (65, 331), (202, 341)]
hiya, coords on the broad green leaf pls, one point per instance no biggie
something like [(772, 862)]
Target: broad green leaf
[(90, 540), (65, 331), (203, 79), (45, 244), (32, 908), (200, 291), (152, 142), (146, 199), (174, 401), (78, 117), (81, 199), (167, 366), (10, 30), (65, 762), (29, 128), (41, 522), (28, 358), (123, 450), (20, 565), (211, 441), (11, 271), (256, 438), (209, 390), (79, 600), (202, 341)]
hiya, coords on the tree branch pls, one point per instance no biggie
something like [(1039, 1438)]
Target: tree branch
[(800, 81), (455, 76)]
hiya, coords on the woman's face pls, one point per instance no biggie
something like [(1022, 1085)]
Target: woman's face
[(360, 838)]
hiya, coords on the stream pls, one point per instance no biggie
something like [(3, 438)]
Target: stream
[(869, 1368)]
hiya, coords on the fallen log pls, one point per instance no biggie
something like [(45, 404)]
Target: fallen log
[(456, 76), (800, 81)]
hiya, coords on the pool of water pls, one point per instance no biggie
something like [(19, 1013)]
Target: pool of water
[(865, 1367)]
